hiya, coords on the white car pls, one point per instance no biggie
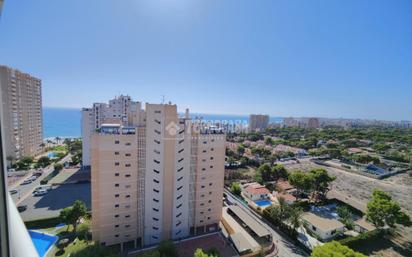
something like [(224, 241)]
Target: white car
[(40, 192), (25, 182), (47, 188)]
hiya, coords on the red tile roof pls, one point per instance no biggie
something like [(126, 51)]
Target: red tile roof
[(257, 189), (283, 185)]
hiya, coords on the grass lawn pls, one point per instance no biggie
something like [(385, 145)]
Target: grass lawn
[(59, 148)]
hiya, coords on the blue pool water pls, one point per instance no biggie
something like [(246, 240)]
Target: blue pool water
[(51, 155), (42, 242), (262, 203)]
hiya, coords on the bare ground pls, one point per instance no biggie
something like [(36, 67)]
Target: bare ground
[(359, 188)]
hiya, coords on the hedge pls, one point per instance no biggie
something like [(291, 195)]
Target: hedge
[(43, 223), (355, 242)]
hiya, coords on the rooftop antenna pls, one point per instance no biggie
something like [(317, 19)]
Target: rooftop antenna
[(163, 99)]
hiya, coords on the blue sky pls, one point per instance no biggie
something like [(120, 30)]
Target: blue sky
[(329, 58)]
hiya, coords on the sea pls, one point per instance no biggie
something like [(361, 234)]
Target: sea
[(65, 122)]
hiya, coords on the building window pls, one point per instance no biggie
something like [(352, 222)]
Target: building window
[(180, 205), (180, 196), (127, 175), (128, 155), (116, 195), (116, 206), (116, 216), (116, 164), (116, 174), (204, 151), (210, 184), (116, 226), (156, 181), (116, 236), (156, 210), (155, 219), (155, 200), (127, 165), (127, 216), (127, 226), (203, 169), (211, 158), (117, 142), (116, 153), (212, 149), (211, 166), (116, 185), (156, 171), (128, 143), (127, 196), (155, 190)]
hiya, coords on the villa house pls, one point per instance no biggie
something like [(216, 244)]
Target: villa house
[(325, 228), (255, 191)]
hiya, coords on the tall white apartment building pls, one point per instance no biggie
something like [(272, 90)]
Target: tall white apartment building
[(119, 110), (22, 112), (159, 177)]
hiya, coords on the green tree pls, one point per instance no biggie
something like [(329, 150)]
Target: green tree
[(302, 181), (334, 249), (321, 181), (58, 167), (279, 171), (43, 161), (295, 216), (345, 216), (167, 249), (235, 188), (211, 253), (71, 215), (268, 141), (240, 150), (83, 231), (382, 210), (25, 163), (152, 253), (264, 173)]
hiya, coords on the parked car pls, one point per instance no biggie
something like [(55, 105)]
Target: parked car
[(32, 178), (14, 191), (25, 182), (47, 188), (22, 208), (40, 192)]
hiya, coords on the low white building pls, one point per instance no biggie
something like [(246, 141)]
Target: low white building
[(255, 191), (325, 228)]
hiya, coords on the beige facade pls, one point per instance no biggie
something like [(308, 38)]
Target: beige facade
[(258, 122), (22, 112), (171, 172)]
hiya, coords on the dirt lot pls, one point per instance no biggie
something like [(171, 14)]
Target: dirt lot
[(359, 188)]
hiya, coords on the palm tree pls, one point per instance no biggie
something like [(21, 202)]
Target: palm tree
[(10, 159), (283, 206), (42, 145), (295, 215)]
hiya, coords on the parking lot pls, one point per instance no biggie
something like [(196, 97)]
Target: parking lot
[(50, 204)]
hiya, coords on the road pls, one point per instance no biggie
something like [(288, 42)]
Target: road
[(285, 247), (26, 190)]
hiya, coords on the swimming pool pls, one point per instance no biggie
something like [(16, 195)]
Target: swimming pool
[(51, 155), (42, 242), (262, 203)]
